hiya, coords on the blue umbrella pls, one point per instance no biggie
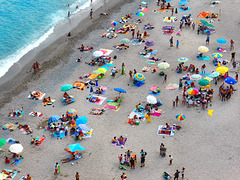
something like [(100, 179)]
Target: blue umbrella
[(91, 89), (230, 80), (75, 147), (81, 120), (96, 82), (183, 0), (222, 41), (53, 119), (83, 127), (120, 90)]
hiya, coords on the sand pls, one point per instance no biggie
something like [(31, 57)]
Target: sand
[(206, 146)]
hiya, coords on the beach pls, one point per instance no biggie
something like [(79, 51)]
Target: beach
[(207, 146)]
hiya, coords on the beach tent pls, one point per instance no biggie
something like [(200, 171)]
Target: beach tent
[(75, 147)]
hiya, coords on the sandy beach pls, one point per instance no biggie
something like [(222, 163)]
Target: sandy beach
[(207, 146)]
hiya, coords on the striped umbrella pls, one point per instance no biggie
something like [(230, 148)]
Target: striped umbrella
[(193, 91), (139, 77), (217, 55), (180, 117), (195, 77), (140, 14), (163, 65), (182, 59), (150, 43), (71, 112)]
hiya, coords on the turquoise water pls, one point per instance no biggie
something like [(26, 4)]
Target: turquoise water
[(24, 24)]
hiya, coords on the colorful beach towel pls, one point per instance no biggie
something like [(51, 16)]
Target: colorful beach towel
[(204, 58), (171, 86), (4, 176), (39, 114), (171, 20), (162, 131), (102, 99), (145, 9), (40, 139)]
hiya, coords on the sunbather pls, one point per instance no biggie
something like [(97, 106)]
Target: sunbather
[(99, 90), (155, 59), (9, 173), (104, 14), (92, 63), (148, 26), (16, 160), (94, 100), (73, 157), (114, 140)]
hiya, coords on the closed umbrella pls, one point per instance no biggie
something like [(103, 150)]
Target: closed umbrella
[(91, 89), (53, 119), (98, 54), (2, 142), (163, 65), (96, 82), (75, 147), (125, 40), (81, 120), (16, 148), (230, 80), (203, 49), (182, 59), (66, 87), (222, 70), (221, 41), (139, 77), (151, 99), (203, 82), (71, 112)]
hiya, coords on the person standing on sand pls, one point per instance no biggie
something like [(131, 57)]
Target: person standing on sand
[(171, 41), (165, 79), (183, 170), (77, 176), (34, 68), (207, 40), (176, 175), (143, 155), (68, 13), (123, 66), (203, 68), (231, 45), (170, 159), (133, 33), (176, 100), (193, 25), (233, 56), (131, 75), (135, 71), (91, 13), (37, 65), (56, 169), (177, 44)]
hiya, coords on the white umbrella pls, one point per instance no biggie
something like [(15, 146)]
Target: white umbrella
[(151, 99), (163, 65), (98, 54), (16, 148), (195, 77)]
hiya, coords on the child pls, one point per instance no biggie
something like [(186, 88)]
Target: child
[(177, 44), (170, 159), (183, 172)]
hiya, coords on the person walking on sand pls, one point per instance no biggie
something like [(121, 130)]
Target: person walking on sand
[(123, 71), (183, 170), (203, 68), (143, 155), (207, 40), (231, 45), (193, 25), (170, 159), (134, 71), (56, 169), (91, 13), (165, 79), (171, 42), (131, 74), (177, 44), (133, 33), (37, 65), (77, 176), (68, 13), (233, 56), (113, 71), (176, 100), (34, 68), (176, 175)]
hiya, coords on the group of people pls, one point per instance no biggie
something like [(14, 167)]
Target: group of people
[(225, 92), (36, 67), (16, 112)]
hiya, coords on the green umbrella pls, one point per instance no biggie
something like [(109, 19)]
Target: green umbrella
[(66, 87), (2, 142), (206, 23), (203, 82)]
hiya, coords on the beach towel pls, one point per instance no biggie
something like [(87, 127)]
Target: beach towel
[(157, 113), (135, 42), (204, 58), (41, 139), (39, 114), (188, 9), (222, 50), (120, 144), (146, 56), (163, 132), (17, 115), (145, 69), (171, 86), (172, 19), (151, 61), (11, 141), (4, 176), (13, 127), (7, 126), (20, 160), (39, 97), (145, 3), (102, 99), (145, 9)]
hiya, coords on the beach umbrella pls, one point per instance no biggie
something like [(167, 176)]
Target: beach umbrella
[(102, 70), (120, 90), (217, 55), (113, 23), (53, 119), (182, 59), (83, 127), (221, 41), (150, 43), (230, 80), (203, 82), (75, 147), (16, 148), (214, 74), (193, 91), (71, 112), (2, 142), (163, 65), (208, 78), (222, 70), (195, 77), (125, 40), (176, 11), (98, 54), (81, 120), (180, 117), (139, 77), (66, 87), (140, 14), (203, 49), (151, 99)]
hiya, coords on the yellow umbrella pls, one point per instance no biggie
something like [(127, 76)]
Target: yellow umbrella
[(203, 49), (222, 70), (208, 78), (102, 70)]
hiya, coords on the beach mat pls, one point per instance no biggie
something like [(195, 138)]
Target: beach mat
[(18, 161), (161, 127), (204, 58)]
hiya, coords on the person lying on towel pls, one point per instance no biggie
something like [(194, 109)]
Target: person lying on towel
[(94, 100), (73, 157), (9, 173)]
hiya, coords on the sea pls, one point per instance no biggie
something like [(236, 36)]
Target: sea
[(25, 24)]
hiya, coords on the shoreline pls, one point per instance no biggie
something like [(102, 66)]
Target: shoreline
[(47, 53)]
